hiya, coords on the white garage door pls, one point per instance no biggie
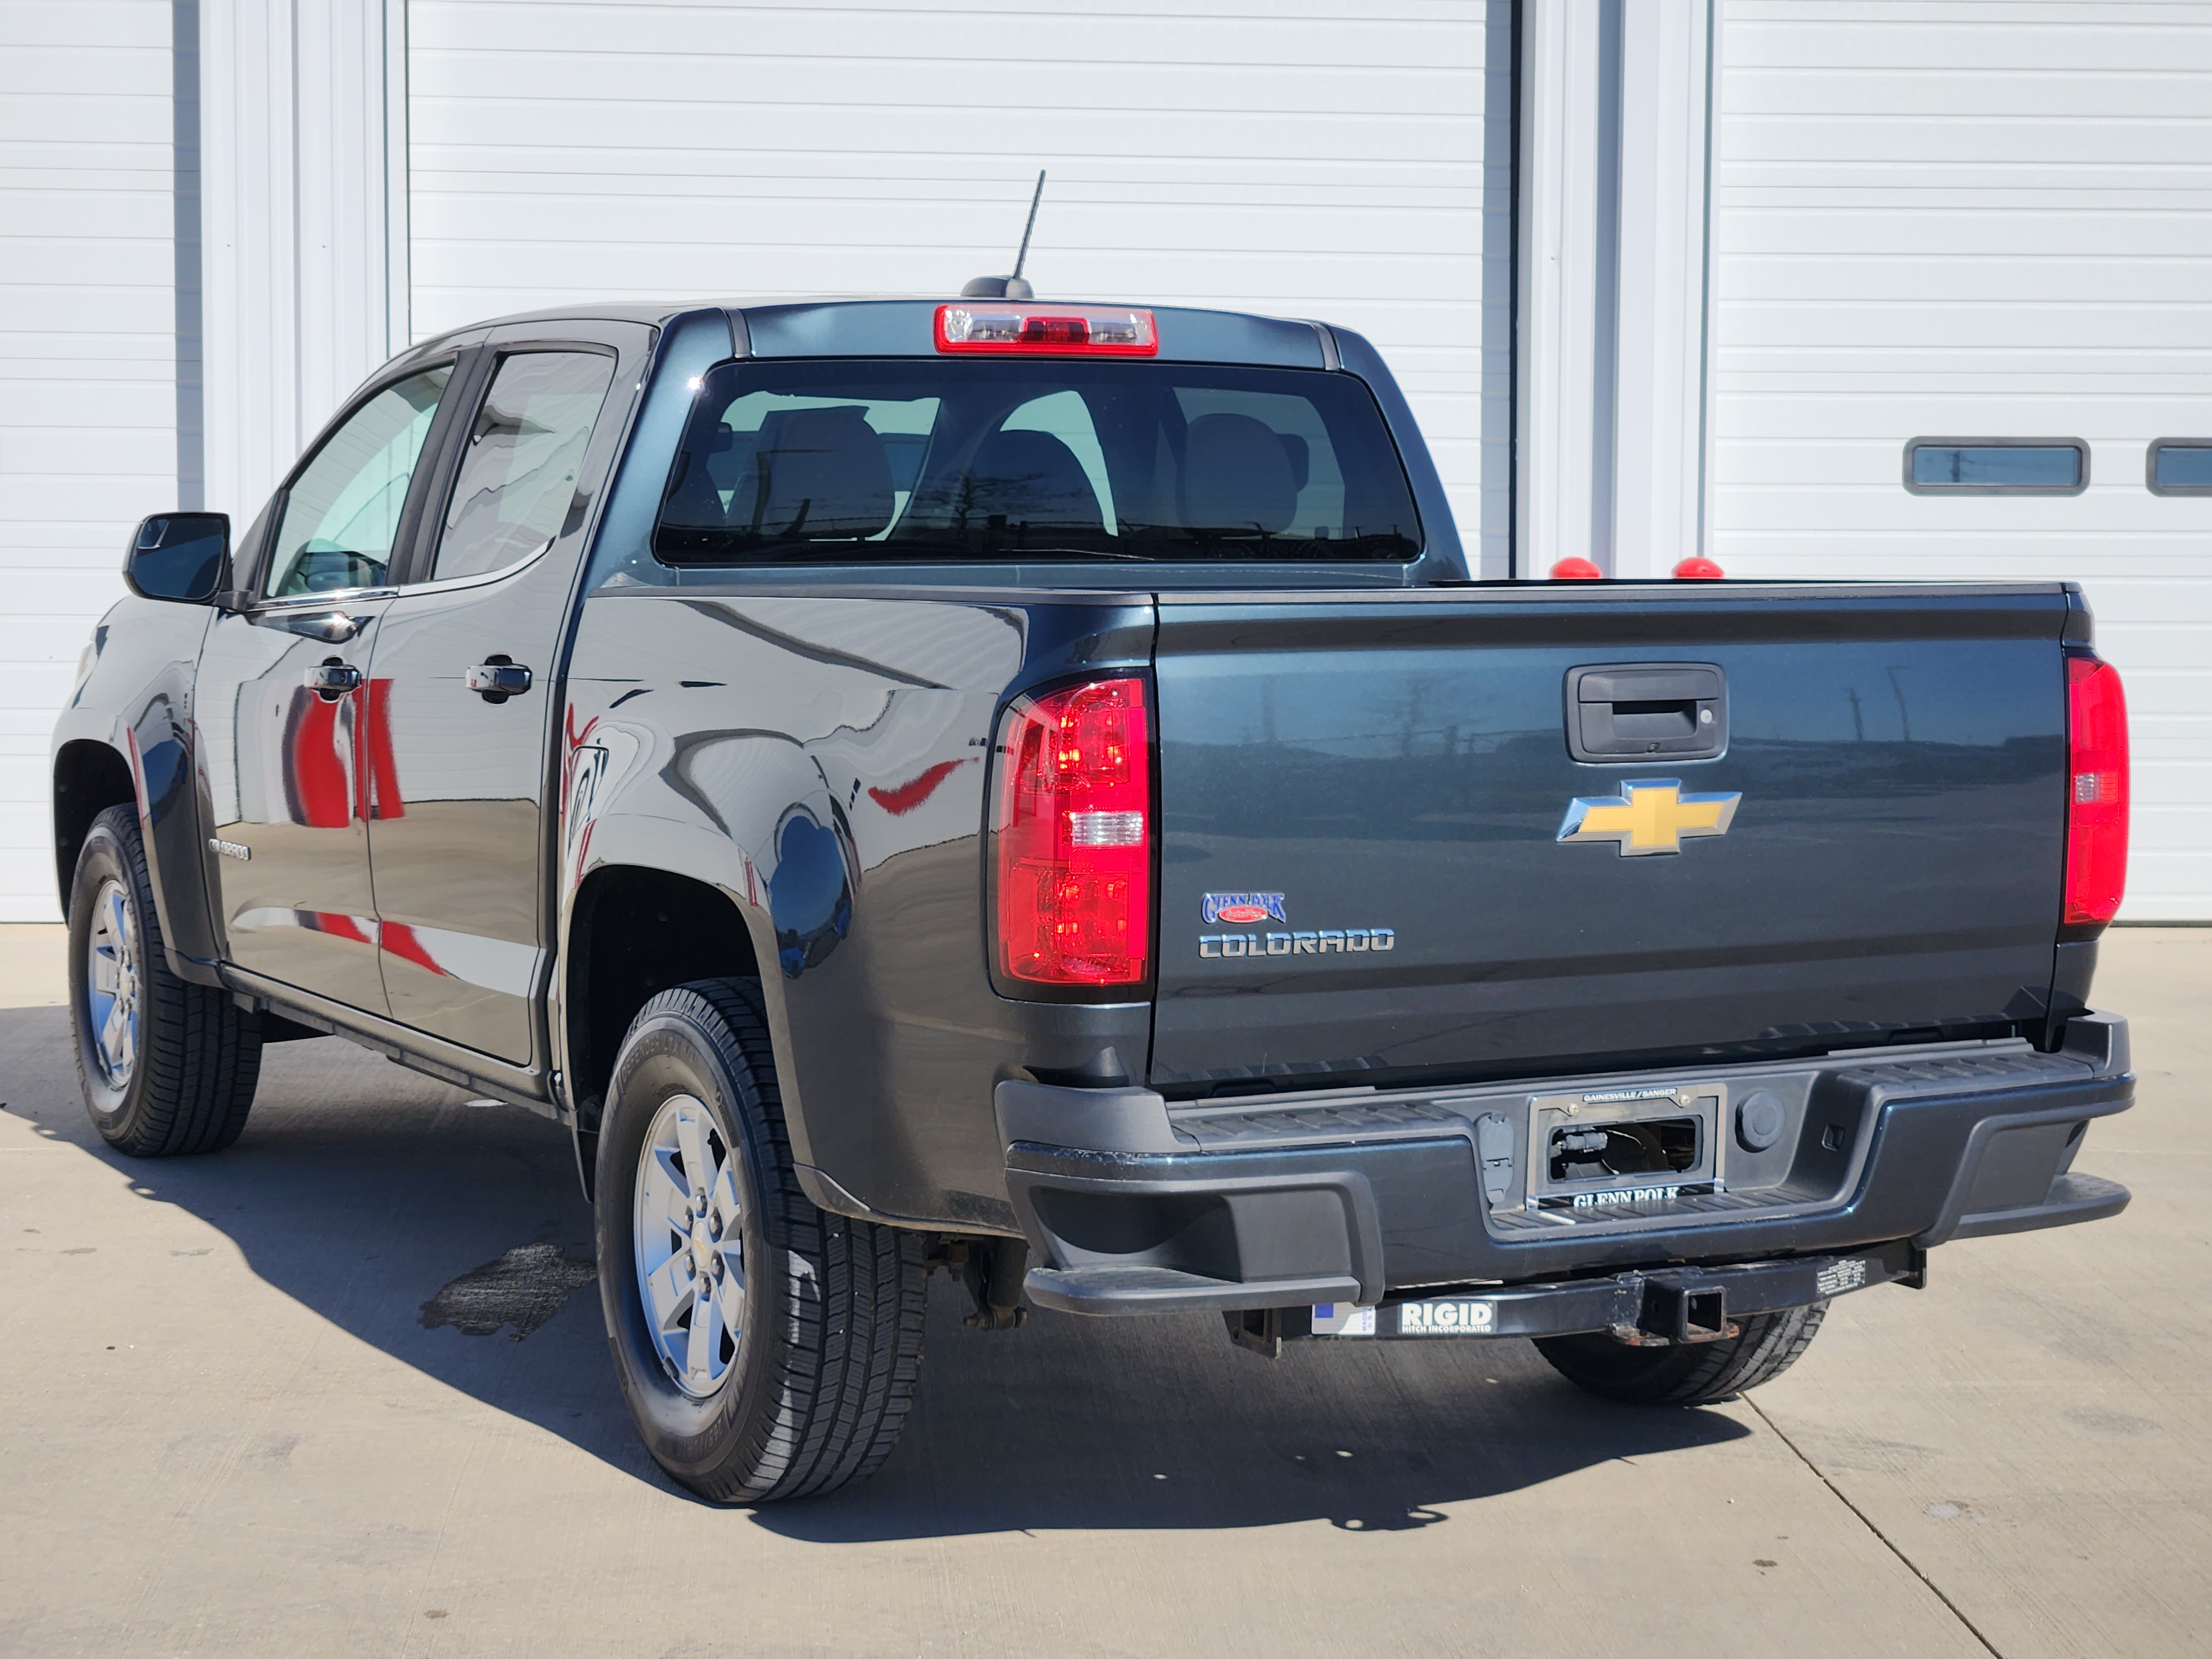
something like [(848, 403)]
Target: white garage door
[(89, 356), (1297, 157), (1970, 220)]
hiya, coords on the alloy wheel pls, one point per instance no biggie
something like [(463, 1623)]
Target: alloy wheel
[(112, 983), (689, 1245)]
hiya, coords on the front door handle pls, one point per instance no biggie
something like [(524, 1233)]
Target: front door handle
[(495, 679), (335, 628), (332, 678)]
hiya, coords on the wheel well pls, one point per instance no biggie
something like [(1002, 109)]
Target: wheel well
[(634, 932), (89, 777)]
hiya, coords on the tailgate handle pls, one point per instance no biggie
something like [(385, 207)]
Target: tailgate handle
[(1640, 711)]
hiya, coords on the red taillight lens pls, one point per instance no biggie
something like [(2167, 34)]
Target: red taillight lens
[(1074, 823), (1060, 331), (2096, 791)]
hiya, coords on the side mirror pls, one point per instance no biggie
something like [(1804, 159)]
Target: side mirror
[(181, 557)]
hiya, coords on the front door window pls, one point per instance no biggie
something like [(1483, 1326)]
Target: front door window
[(341, 513)]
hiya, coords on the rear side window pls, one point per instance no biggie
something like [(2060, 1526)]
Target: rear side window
[(975, 461), (518, 474)]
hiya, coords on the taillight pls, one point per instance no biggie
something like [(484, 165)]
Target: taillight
[(1074, 824), (2096, 792), (1057, 331)]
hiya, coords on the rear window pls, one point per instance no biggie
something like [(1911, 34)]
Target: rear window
[(975, 461)]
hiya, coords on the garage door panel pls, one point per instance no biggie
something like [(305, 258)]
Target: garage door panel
[(809, 88), (2100, 35), (2150, 337), (1870, 280), (1062, 127), (1438, 247), (918, 32)]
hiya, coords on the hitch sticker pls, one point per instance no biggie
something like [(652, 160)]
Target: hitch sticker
[(1840, 1276)]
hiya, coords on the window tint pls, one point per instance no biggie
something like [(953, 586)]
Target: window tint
[(518, 475), (341, 513), (976, 460), (2181, 466), (1996, 466)]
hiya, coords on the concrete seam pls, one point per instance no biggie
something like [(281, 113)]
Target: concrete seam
[(1867, 1521)]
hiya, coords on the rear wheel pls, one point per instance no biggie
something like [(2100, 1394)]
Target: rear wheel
[(1687, 1373), (766, 1348), (165, 1066)]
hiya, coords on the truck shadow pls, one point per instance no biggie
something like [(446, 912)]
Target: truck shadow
[(452, 1237)]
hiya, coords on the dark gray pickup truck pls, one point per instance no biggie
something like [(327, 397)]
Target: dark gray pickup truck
[(1032, 789)]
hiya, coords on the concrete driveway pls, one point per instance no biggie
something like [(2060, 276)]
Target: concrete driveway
[(252, 1404)]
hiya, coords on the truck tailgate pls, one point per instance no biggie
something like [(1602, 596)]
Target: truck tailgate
[(1393, 772)]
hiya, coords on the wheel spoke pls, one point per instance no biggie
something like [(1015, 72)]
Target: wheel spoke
[(730, 1294), (722, 1201), (698, 1162), (664, 1193), (667, 1290), (706, 1339), (113, 1032), (106, 975)]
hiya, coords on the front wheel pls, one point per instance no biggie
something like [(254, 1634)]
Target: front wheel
[(1688, 1373), (165, 1066), (765, 1349)]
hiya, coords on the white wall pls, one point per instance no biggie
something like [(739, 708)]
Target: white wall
[(1973, 219), (88, 363), (1299, 157)]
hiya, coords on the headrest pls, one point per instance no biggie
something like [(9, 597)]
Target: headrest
[(1237, 477), (1034, 479), (824, 475)]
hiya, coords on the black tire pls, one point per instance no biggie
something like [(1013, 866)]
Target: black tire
[(197, 1055), (1690, 1373), (823, 1374)]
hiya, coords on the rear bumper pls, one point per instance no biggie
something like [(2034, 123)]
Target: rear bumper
[(1373, 1198)]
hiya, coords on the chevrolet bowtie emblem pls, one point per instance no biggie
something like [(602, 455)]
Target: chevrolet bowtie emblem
[(1651, 815)]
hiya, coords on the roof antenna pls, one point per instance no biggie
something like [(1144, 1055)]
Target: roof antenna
[(1011, 288)]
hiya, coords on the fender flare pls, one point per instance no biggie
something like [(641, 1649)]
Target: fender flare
[(696, 852)]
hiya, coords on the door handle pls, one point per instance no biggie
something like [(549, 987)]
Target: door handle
[(497, 679), (1647, 711), (336, 628), (332, 678)]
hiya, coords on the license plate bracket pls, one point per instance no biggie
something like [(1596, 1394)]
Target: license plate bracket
[(1596, 1150)]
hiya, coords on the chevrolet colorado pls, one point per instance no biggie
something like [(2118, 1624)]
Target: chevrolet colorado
[(1031, 790)]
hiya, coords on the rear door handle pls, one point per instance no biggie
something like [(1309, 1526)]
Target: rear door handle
[(332, 678), (497, 679)]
